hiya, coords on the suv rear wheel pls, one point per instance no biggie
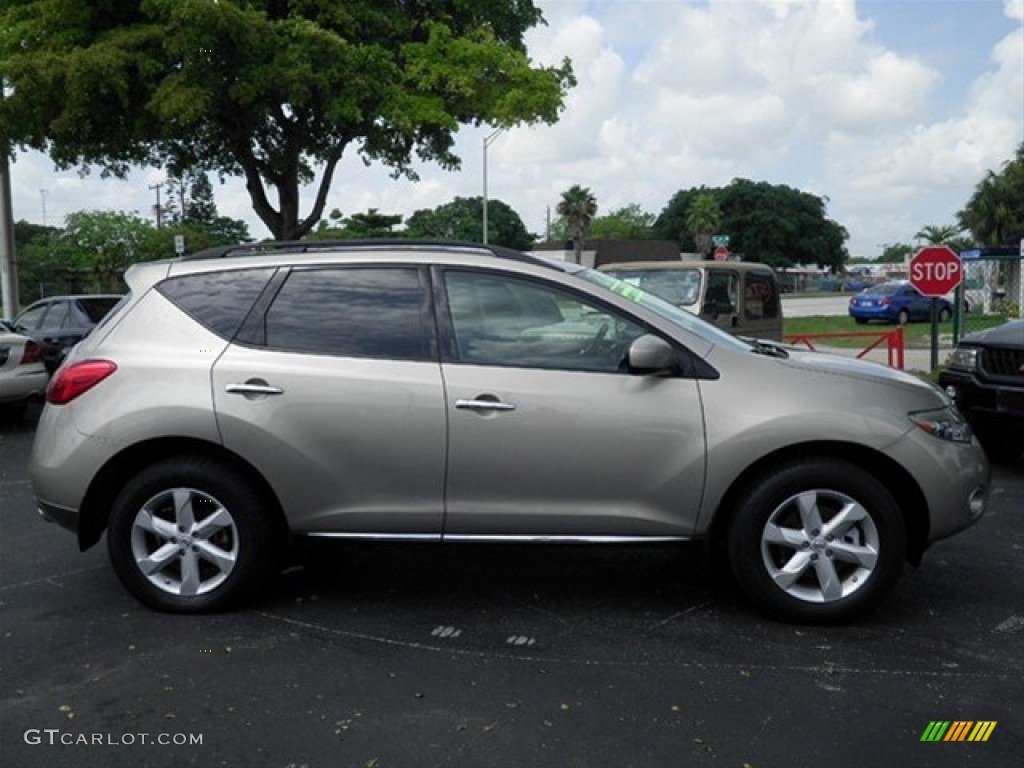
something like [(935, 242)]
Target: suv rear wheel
[(817, 542), (188, 535)]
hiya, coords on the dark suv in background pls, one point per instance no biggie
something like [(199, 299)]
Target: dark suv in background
[(985, 376), (57, 323)]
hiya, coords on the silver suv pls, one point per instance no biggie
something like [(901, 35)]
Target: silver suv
[(458, 393)]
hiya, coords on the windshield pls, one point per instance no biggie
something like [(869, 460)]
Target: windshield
[(676, 286), (663, 309)]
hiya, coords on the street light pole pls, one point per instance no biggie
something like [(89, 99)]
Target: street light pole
[(488, 140)]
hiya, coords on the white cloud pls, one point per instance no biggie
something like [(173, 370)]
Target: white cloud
[(676, 94)]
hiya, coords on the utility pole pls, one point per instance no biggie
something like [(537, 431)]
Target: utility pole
[(43, 193), (158, 208), (8, 262), (488, 140)]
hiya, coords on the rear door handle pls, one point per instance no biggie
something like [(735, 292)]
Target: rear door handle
[(483, 405)]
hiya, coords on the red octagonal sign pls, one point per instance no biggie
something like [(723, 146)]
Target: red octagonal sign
[(936, 270)]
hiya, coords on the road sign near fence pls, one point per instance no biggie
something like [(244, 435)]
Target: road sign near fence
[(936, 270)]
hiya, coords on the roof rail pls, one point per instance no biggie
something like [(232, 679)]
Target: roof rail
[(307, 246)]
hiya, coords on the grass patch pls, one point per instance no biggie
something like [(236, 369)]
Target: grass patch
[(914, 334)]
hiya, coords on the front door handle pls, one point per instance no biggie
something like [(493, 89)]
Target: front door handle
[(481, 404), (253, 388)]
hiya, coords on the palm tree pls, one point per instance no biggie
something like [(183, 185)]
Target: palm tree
[(577, 208), (938, 235), (702, 220)]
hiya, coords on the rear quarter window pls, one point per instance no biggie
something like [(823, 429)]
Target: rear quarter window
[(218, 301)]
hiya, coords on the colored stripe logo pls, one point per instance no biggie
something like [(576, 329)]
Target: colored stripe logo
[(958, 730)]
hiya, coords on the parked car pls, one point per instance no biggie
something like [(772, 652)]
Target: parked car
[(23, 376), (60, 322), (896, 302), (739, 297), (985, 376), (414, 391)]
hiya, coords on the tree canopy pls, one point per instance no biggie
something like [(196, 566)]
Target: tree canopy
[(629, 223), (461, 220), (271, 90), (775, 224), (995, 213)]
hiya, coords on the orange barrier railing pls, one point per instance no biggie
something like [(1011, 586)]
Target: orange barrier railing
[(892, 339)]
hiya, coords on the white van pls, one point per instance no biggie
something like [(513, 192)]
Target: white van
[(742, 298)]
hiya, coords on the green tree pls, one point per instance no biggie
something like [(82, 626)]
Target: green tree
[(896, 253), (935, 234), (775, 224), (577, 208), (995, 213), (703, 219), (96, 247), (460, 220), (628, 223), (271, 90)]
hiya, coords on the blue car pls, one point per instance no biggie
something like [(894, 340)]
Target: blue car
[(896, 302)]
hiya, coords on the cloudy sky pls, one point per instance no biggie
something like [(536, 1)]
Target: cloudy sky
[(891, 109)]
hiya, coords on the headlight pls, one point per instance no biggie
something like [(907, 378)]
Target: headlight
[(944, 423), (965, 358)]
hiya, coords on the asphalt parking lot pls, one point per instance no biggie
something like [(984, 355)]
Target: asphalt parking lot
[(380, 656)]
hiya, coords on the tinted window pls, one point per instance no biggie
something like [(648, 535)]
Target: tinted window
[(760, 296), (97, 307), (218, 300), (504, 321), (720, 296), (32, 317), (354, 312)]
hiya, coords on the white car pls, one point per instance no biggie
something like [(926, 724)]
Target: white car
[(23, 376)]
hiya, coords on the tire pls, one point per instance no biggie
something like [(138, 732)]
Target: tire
[(10, 412), (860, 320), (174, 557), (902, 317), (817, 542), (944, 314)]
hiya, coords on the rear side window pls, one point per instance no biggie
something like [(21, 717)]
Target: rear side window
[(378, 312), (761, 296), (217, 300)]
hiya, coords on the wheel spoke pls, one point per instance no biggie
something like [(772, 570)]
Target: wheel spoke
[(190, 581), (865, 557), (847, 517), (785, 537), (211, 524), (184, 515), (828, 579), (810, 516), (159, 559), (221, 558), (788, 575), (150, 523)]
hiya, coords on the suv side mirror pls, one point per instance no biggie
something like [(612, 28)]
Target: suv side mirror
[(651, 354)]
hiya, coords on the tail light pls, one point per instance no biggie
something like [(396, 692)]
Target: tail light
[(31, 354), (72, 380)]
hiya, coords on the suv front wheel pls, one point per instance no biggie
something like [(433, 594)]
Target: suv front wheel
[(817, 542), (188, 535)]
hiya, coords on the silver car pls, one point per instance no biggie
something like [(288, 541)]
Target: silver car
[(412, 391)]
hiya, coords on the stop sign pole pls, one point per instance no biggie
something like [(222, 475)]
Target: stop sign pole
[(935, 270)]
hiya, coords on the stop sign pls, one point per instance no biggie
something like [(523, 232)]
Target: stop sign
[(935, 270)]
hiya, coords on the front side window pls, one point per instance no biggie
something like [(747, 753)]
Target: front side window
[(377, 312), (503, 321)]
